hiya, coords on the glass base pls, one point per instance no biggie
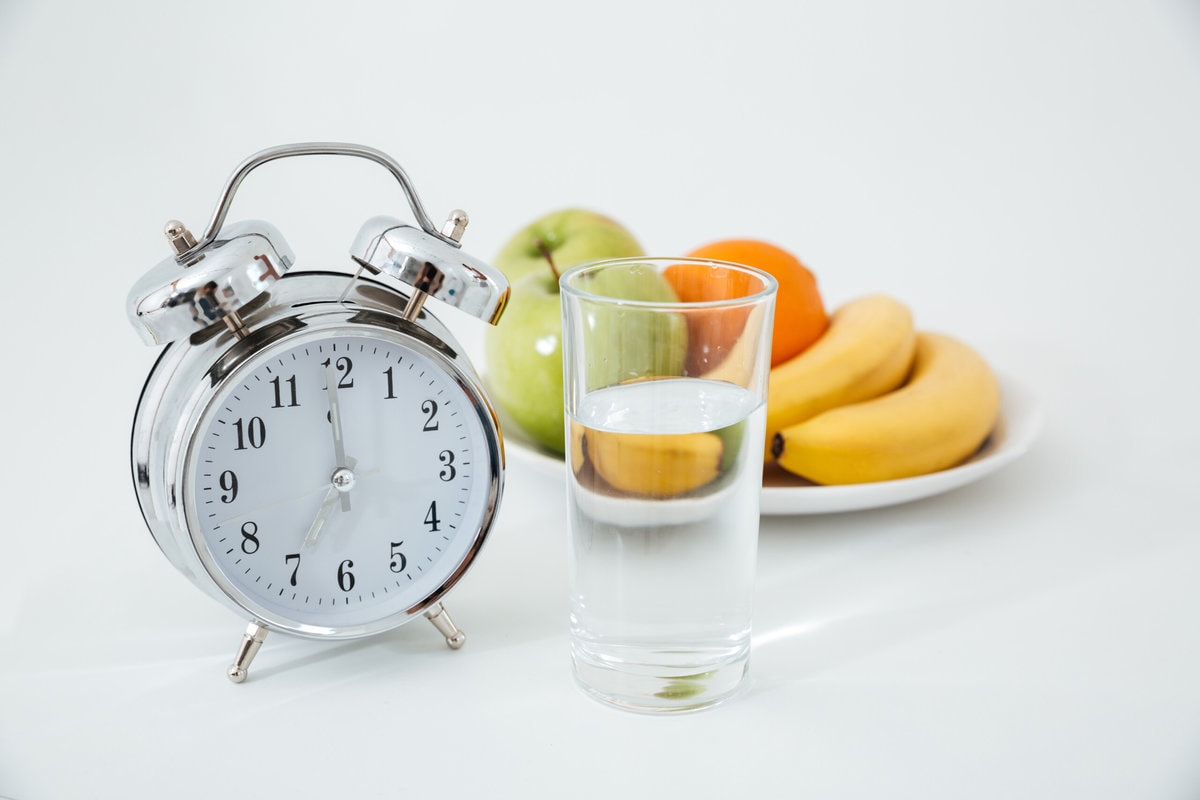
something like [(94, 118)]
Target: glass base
[(659, 681)]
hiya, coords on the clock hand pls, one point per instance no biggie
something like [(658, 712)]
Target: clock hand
[(335, 418), (341, 483), (323, 515), (291, 498)]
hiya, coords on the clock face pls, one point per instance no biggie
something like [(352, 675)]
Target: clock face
[(338, 479)]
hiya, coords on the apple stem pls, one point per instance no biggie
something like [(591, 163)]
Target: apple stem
[(545, 251)]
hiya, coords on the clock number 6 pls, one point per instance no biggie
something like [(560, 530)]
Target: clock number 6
[(345, 577)]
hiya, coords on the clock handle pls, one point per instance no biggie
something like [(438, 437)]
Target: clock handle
[(312, 149)]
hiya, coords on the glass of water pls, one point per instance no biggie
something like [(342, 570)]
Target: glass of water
[(665, 364)]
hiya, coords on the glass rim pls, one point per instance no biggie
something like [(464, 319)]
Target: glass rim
[(769, 286)]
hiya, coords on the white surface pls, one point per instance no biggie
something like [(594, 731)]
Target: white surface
[(786, 495), (1023, 174)]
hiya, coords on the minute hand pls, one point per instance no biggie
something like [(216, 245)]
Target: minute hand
[(335, 418)]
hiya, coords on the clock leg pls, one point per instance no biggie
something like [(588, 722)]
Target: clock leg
[(441, 620), (251, 642)]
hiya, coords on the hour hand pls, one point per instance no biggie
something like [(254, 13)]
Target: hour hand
[(323, 515), (339, 486)]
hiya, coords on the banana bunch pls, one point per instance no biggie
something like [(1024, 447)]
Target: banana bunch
[(874, 399)]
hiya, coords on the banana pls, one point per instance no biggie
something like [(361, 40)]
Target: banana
[(940, 417), (655, 465), (866, 351)]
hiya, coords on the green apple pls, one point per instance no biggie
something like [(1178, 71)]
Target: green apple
[(564, 238), (630, 343), (523, 355), (524, 352)]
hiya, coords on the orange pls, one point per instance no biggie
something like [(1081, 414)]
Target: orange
[(800, 316), (711, 334)]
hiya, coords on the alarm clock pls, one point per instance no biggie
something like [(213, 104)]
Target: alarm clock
[(312, 447)]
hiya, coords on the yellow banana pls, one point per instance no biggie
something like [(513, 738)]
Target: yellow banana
[(655, 465), (866, 351), (940, 417)]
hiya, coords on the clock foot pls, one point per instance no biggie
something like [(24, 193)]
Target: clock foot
[(251, 642), (441, 620)]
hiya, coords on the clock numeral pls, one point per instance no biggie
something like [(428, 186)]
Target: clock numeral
[(278, 383), (447, 458), (293, 557), (249, 538), (430, 407), (345, 577), (431, 518), (253, 432), (343, 365), (399, 562), (391, 386), (229, 482)]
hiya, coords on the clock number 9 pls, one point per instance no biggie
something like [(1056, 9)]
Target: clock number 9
[(229, 483)]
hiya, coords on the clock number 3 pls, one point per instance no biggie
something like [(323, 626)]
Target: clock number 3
[(448, 472)]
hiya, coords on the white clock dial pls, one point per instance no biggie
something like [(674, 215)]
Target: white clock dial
[(338, 480)]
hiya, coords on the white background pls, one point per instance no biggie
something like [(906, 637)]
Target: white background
[(1026, 175)]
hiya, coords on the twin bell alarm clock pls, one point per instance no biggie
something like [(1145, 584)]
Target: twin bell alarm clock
[(312, 448)]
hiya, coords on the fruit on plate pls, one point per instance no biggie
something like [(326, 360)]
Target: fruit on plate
[(866, 352), (800, 317), (565, 238), (655, 465), (523, 358), (523, 355), (936, 420), (712, 334), (625, 344)]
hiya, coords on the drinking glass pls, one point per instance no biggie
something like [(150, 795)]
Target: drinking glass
[(665, 365)]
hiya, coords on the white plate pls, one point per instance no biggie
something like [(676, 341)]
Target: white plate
[(783, 494)]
